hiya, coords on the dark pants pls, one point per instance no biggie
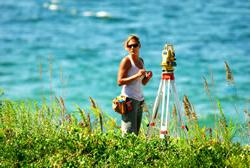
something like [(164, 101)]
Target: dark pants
[(131, 121)]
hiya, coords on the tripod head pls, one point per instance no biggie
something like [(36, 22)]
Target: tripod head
[(168, 58)]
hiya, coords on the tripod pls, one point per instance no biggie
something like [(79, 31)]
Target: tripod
[(167, 82)]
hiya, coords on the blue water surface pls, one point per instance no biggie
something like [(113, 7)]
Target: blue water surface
[(72, 49)]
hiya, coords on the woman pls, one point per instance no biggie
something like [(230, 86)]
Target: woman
[(131, 75)]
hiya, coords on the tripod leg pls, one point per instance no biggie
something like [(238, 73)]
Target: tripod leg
[(163, 106), (157, 101), (178, 107), (164, 112), (167, 103), (155, 109)]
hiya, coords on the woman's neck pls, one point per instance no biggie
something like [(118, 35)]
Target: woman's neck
[(134, 56)]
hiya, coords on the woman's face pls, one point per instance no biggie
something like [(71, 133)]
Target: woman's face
[(133, 46)]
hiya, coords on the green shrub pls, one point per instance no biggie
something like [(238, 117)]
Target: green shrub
[(33, 135)]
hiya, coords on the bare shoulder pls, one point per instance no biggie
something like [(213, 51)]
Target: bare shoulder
[(125, 62)]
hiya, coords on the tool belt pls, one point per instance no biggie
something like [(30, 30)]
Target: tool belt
[(122, 105)]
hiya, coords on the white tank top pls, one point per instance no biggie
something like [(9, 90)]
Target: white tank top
[(133, 89)]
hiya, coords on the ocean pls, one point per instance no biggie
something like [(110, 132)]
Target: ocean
[(72, 49)]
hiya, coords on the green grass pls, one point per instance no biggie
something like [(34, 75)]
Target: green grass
[(36, 134), (33, 135)]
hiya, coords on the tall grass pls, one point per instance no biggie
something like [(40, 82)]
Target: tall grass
[(36, 134), (229, 73)]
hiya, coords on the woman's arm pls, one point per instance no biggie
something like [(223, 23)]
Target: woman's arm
[(122, 78), (148, 74), (147, 77)]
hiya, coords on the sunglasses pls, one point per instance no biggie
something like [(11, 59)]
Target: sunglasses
[(133, 45)]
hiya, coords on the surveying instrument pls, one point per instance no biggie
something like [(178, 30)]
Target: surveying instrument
[(166, 88)]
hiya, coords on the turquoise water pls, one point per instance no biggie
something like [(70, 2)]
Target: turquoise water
[(73, 49)]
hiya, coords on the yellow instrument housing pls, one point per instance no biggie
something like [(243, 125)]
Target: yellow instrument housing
[(168, 58)]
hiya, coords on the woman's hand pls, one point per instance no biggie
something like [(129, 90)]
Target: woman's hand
[(149, 74), (141, 72)]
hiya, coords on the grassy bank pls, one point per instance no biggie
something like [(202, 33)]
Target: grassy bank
[(46, 136)]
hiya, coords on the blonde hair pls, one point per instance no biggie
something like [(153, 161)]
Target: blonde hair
[(131, 36)]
